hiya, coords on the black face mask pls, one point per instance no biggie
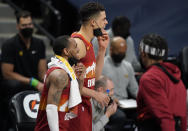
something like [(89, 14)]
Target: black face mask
[(117, 58), (72, 61), (26, 32), (97, 32)]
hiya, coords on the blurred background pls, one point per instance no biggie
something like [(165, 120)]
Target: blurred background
[(168, 18)]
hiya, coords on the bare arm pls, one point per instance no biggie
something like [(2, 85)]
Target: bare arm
[(100, 62), (8, 73), (102, 98), (103, 44), (42, 67), (56, 82)]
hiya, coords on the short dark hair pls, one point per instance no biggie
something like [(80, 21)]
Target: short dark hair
[(89, 10), (60, 43), (101, 82), (158, 42), (22, 13), (121, 26)]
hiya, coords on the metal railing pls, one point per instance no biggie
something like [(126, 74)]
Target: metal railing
[(56, 13), (38, 26)]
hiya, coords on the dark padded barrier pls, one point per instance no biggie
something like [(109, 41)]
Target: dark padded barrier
[(24, 109)]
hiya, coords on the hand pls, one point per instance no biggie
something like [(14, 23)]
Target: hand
[(103, 40), (80, 71), (116, 101), (40, 86), (102, 98), (111, 109)]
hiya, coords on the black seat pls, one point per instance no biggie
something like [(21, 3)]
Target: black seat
[(183, 61), (24, 109)]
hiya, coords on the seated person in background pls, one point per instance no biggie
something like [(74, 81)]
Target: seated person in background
[(101, 115), (121, 27), (23, 59), (120, 70)]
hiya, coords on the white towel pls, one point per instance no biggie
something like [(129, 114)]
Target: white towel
[(74, 96)]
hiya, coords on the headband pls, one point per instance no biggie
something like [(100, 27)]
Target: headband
[(151, 50)]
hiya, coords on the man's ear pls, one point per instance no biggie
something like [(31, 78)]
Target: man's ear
[(65, 51), (143, 54), (92, 22)]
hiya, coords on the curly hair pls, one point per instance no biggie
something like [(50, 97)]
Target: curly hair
[(158, 43)]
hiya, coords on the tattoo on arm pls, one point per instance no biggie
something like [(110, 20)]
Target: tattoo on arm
[(56, 97), (58, 81)]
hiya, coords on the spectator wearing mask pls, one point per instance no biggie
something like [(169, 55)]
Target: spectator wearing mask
[(119, 70), (23, 60), (121, 27)]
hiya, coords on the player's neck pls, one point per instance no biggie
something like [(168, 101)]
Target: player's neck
[(64, 56), (151, 62), (87, 32)]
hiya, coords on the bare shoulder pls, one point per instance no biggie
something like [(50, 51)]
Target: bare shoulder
[(81, 46), (58, 78)]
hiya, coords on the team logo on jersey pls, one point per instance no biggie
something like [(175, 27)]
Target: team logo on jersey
[(90, 71), (21, 53), (31, 105)]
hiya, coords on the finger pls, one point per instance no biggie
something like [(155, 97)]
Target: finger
[(106, 104), (104, 31), (80, 66), (100, 37), (103, 105), (107, 101), (105, 37), (108, 98)]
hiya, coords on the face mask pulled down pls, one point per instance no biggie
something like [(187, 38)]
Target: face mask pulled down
[(72, 61), (97, 32)]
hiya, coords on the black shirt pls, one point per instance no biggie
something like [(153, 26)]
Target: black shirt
[(25, 61)]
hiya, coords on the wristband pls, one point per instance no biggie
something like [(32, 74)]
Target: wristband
[(33, 82)]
